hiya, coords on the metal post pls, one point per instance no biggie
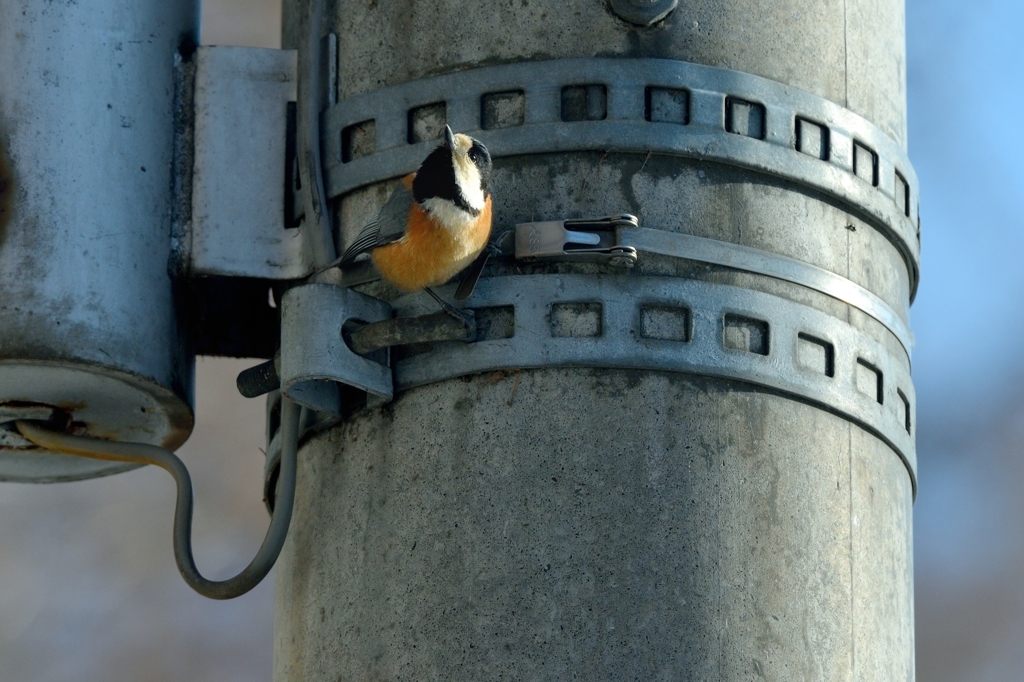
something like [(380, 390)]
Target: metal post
[(702, 472)]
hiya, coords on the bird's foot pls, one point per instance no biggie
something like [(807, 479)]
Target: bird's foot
[(466, 318)]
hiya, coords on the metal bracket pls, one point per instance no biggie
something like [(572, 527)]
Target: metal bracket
[(314, 355), (318, 363), (238, 222), (579, 240), (643, 12)]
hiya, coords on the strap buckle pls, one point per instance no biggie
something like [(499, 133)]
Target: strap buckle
[(586, 240)]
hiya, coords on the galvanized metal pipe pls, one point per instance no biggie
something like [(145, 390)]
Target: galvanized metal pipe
[(89, 322)]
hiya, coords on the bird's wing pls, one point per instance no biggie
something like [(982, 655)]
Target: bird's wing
[(386, 227)]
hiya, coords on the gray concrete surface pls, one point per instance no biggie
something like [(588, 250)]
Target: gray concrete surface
[(670, 528)]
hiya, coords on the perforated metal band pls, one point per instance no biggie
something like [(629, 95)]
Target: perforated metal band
[(741, 257), (680, 325), (729, 116)]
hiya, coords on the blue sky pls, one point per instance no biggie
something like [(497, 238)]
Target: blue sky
[(965, 97)]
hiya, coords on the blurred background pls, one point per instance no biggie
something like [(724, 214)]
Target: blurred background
[(88, 587)]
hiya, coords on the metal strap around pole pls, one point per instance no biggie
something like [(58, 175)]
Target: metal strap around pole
[(739, 257), (680, 325), (796, 136)]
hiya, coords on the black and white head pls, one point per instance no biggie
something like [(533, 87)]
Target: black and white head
[(453, 182)]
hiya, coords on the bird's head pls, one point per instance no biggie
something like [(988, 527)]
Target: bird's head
[(458, 171)]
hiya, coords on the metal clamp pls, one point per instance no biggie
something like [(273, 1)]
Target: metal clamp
[(884, 191), (680, 325), (314, 355), (331, 336), (760, 262), (617, 240), (581, 240)]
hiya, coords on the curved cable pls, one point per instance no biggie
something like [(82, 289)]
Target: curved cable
[(143, 453)]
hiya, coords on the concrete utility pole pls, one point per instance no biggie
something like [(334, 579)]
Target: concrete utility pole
[(702, 472)]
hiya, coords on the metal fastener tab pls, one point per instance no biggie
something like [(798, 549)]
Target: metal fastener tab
[(587, 240), (314, 355)]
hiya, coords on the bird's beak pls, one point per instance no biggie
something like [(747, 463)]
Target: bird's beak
[(449, 137)]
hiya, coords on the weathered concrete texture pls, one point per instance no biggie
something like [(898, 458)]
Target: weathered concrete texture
[(6, 187), (833, 48), (671, 528), (876, 63), (883, 581)]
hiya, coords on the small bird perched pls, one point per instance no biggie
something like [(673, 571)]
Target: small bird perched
[(435, 223)]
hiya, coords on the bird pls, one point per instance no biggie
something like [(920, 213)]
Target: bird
[(435, 223)]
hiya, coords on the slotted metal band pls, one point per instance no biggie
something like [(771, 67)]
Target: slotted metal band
[(774, 265), (757, 261), (886, 193), (809, 354)]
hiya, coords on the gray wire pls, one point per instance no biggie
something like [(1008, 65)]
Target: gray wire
[(322, 242), (143, 453)]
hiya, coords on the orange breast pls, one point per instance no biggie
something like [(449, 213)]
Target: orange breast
[(430, 255)]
